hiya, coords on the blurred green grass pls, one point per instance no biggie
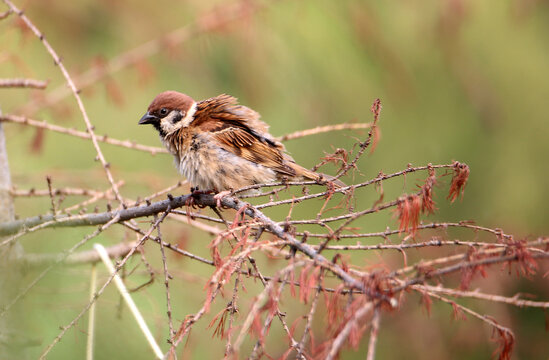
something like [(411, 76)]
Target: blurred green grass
[(458, 80)]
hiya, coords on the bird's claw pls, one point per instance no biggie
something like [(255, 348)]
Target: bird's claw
[(219, 196), (195, 192)]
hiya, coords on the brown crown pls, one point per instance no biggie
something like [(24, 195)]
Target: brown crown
[(171, 100)]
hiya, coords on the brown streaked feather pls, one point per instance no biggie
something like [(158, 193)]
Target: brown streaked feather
[(244, 144), (225, 109), (238, 130), (311, 175)]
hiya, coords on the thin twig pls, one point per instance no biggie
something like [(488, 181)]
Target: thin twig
[(81, 134), (74, 91), (59, 260), (167, 277), (191, 320), (91, 314), (23, 83), (210, 21), (5, 14), (233, 309), (64, 329), (376, 109), (310, 316), (128, 299), (515, 300), (52, 196), (80, 258), (374, 334), (344, 333), (323, 129)]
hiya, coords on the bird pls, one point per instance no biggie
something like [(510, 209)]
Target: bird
[(221, 146)]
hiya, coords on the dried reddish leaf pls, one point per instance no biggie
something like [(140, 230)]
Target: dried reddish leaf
[(377, 283), (295, 324), (292, 281), (376, 110), (379, 188), (181, 243), (286, 354), (304, 289), (457, 313), (427, 302), (216, 257), (38, 141), (114, 92), (145, 70), (427, 202), (242, 241), (340, 156), (338, 257), (219, 330), (407, 211), (208, 302), (469, 272), (26, 32), (357, 331), (255, 328), (459, 180), (506, 341), (415, 211), (334, 306), (526, 265), (312, 338), (312, 282)]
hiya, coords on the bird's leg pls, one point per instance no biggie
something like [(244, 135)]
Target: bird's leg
[(219, 196), (195, 192), (189, 203)]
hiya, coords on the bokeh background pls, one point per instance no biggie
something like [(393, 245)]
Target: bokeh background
[(458, 80)]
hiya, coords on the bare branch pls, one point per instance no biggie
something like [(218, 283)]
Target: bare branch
[(61, 257), (515, 300), (23, 83), (84, 257), (374, 332), (323, 129), (64, 329), (210, 21), (344, 333), (81, 134), (74, 91)]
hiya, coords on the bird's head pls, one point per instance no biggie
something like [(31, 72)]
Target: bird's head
[(170, 111)]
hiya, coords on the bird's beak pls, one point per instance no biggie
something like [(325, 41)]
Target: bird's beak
[(147, 119)]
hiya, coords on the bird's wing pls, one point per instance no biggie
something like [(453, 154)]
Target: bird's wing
[(237, 129), (250, 147), (225, 109)]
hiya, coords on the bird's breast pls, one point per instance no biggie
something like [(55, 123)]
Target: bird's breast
[(210, 167)]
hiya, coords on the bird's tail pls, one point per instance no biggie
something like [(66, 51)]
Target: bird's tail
[(311, 175)]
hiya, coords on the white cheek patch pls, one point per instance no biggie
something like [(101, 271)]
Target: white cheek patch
[(166, 123), (170, 123), (189, 117)]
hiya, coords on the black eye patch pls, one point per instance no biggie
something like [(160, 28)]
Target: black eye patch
[(178, 116)]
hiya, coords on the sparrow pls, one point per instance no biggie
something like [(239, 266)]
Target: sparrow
[(221, 146)]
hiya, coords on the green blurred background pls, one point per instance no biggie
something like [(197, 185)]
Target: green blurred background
[(458, 80)]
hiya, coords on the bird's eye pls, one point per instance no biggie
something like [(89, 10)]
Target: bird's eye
[(163, 111)]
